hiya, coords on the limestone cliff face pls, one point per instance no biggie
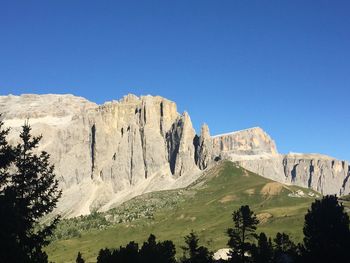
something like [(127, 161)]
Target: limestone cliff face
[(246, 142), (321, 173), (129, 140), (106, 154), (254, 150), (106, 150), (63, 122), (181, 150)]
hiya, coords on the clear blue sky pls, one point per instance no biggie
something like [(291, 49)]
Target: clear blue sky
[(281, 65)]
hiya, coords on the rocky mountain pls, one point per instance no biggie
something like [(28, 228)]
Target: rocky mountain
[(254, 150), (106, 154)]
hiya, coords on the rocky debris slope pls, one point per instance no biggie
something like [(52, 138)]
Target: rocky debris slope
[(106, 154)]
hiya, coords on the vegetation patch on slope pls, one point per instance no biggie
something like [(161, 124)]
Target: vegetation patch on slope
[(205, 206)]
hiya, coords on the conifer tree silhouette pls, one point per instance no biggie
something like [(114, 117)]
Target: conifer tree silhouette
[(326, 232), (193, 253), (80, 258), (245, 222), (28, 192), (263, 252)]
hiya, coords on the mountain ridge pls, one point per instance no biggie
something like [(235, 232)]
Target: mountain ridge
[(106, 154)]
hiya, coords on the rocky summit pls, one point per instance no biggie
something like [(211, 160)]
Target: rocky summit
[(107, 154)]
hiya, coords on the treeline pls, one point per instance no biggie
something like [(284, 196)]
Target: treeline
[(326, 239)]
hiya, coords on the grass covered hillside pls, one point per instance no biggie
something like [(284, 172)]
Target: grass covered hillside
[(205, 207)]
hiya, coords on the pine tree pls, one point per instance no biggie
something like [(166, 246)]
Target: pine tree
[(6, 156), (104, 256), (284, 249), (263, 252), (28, 192), (245, 222), (166, 252), (148, 251), (326, 232), (80, 258), (162, 252), (129, 253), (10, 250), (193, 253)]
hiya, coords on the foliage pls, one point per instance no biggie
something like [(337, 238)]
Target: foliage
[(151, 251), (128, 212), (28, 192), (326, 230), (193, 253), (73, 227), (80, 258), (263, 252), (245, 223), (284, 249)]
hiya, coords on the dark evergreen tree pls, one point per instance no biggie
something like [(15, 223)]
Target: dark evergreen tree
[(9, 248), (28, 191), (104, 256), (148, 251), (129, 253), (245, 223), (162, 252), (80, 258), (6, 156), (151, 251), (284, 249), (193, 253), (167, 252), (326, 232), (263, 252)]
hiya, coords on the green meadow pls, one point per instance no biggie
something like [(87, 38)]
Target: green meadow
[(205, 206)]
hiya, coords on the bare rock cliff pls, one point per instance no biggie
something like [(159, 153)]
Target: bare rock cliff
[(251, 141), (107, 153), (254, 150), (321, 173)]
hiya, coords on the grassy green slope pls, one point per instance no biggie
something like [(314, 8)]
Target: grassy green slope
[(205, 207)]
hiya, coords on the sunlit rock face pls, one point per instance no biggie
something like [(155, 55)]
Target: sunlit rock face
[(251, 141), (106, 154), (319, 172), (254, 150)]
